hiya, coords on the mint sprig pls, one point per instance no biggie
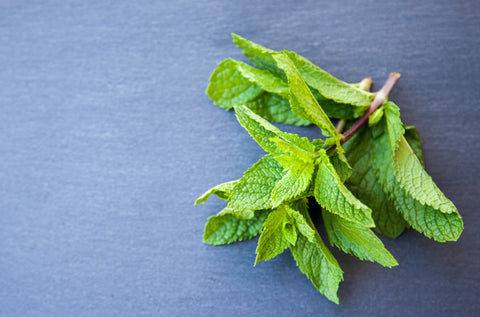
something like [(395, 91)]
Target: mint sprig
[(370, 178)]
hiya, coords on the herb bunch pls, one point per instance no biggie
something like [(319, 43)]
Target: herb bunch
[(371, 177)]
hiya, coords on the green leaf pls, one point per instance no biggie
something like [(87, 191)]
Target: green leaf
[(413, 191), (317, 263), (222, 191), (252, 191), (274, 108), (298, 211), (290, 233), (228, 87), (337, 98), (411, 135), (301, 99), (235, 83), (375, 117), (269, 137), (224, 228), (259, 129), (394, 124), (331, 193), (299, 147), (294, 183), (363, 183), (342, 166), (329, 86), (259, 55), (336, 109), (272, 241), (356, 239)]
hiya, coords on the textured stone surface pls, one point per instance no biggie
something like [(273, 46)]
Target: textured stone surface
[(107, 138)]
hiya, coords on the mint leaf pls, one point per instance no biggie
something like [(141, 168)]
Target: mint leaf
[(275, 108), (317, 263), (267, 135), (331, 193), (331, 87), (375, 117), (296, 180), (235, 83), (280, 231), (411, 135), (363, 183), (222, 191), (261, 130), (332, 94), (259, 55), (252, 191), (301, 99), (228, 87), (224, 228), (356, 239), (272, 240), (414, 193), (299, 212)]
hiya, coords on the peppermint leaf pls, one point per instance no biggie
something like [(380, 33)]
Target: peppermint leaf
[(261, 130), (411, 135), (228, 87), (270, 138), (295, 182), (413, 191), (331, 193), (329, 86), (298, 211), (274, 108), (222, 191), (301, 99), (317, 263), (259, 55), (272, 240), (235, 83), (356, 239), (224, 228), (363, 183), (332, 94), (252, 191)]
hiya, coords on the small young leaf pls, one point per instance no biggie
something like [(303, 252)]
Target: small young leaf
[(295, 182), (375, 117), (298, 211), (356, 239), (290, 233), (224, 228), (222, 191), (272, 241)]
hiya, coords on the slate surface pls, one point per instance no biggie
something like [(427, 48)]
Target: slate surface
[(107, 138)]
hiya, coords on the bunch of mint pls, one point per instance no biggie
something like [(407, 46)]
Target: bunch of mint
[(370, 177)]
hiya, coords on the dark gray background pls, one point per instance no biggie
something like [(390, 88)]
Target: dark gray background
[(107, 138)]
